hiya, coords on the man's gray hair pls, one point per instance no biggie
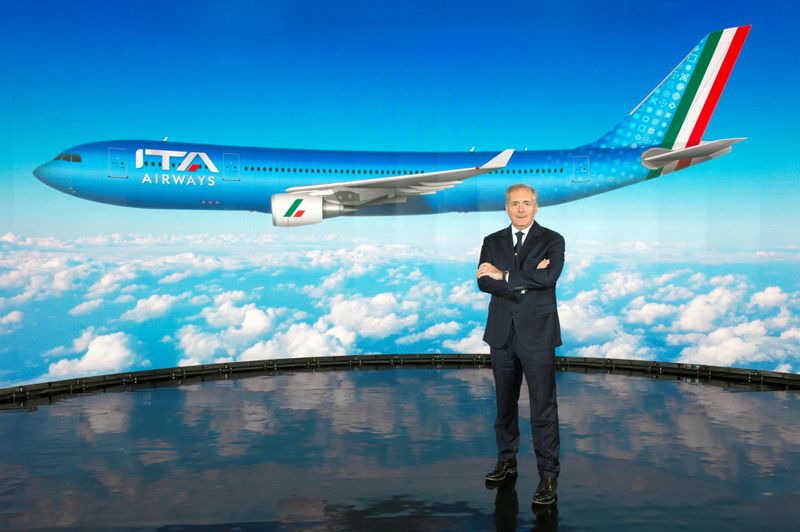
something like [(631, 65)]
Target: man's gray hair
[(522, 186)]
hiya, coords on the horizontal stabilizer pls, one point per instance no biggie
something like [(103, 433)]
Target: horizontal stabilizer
[(655, 158)]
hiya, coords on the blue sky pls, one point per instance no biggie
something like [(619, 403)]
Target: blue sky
[(407, 76)]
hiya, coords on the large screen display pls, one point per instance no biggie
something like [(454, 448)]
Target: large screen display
[(189, 182)]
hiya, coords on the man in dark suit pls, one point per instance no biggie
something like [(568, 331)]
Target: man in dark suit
[(519, 266)]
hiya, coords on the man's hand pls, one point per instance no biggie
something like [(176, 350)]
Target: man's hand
[(489, 270)]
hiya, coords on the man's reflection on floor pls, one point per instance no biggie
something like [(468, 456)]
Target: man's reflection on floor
[(546, 517), (506, 504), (506, 509)]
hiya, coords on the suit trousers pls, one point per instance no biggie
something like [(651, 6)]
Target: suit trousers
[(509, 364)]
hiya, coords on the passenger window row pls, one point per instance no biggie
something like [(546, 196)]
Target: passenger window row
[(348, 170)]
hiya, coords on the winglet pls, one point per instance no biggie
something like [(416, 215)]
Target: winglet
[(499, 161)]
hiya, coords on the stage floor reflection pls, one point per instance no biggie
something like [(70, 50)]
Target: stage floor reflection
[(399, 449)]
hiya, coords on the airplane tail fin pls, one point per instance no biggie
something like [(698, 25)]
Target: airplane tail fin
[(675, 114)]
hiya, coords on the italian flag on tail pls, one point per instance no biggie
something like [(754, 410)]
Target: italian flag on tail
[(711, 70)]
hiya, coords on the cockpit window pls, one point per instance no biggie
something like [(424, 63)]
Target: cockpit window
[(71, 157)]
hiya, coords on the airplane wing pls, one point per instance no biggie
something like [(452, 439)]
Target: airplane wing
[(396, 189)]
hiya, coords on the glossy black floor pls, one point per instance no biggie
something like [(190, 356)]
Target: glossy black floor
[(399, 449)]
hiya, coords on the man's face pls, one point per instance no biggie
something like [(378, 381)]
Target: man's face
[(521, 208)]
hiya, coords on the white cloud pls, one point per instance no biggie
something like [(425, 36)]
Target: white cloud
[(772, 296), (197, 345), (174, 277), (79, 344), (791, 334), (619, 284), (670, 293), (154, 306), (701, 312), (110, 281), (434, 331), (697, 279), (781, 321), (583, 318), (376, 317), (237, 319), (472, 344), (426, 293), (641, 312), (623, 345), (239, 324), (728, 346), (300, 340), (133, 288), (67, 278), (33, 242), (38, 275), (468, 295), (225, 314), (108, 353), (188, 263), (783, 368), (86, 307), (10, 321), (202, 299), (253, 322), (245, 322), (13, 317), (12, 279), (666, 277), (576, 269), (232, 296), (337, 278), (723, 280), (353, 262)]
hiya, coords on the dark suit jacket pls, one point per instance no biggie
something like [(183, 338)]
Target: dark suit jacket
[(533, 313)]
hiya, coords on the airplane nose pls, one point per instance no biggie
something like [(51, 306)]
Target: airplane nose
[(52, 177), (40, 173)]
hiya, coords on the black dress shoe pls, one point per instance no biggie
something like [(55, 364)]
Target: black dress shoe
[(546, 492), (502, 471)]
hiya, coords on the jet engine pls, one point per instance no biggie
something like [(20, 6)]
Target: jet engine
[(289, 210)]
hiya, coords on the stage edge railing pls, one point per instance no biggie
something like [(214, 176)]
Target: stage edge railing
[(43, 393)]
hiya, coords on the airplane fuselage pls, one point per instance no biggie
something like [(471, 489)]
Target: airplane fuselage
[(170, 175)]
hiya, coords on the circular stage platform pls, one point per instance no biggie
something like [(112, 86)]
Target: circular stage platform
[(399, 449)]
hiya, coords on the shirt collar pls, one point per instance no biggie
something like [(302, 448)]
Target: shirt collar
[(514, 231)]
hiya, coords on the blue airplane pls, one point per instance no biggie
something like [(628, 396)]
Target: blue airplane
[(662, 134)]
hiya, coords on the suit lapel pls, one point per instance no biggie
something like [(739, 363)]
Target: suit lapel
[(505, 245), (533, 235)]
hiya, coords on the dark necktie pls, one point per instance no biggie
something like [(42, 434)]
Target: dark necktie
[(518, 245)]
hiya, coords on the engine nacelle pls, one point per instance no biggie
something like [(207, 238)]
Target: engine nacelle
[(290, 210)]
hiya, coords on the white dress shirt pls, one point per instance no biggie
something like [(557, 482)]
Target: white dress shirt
[(514, 232)]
